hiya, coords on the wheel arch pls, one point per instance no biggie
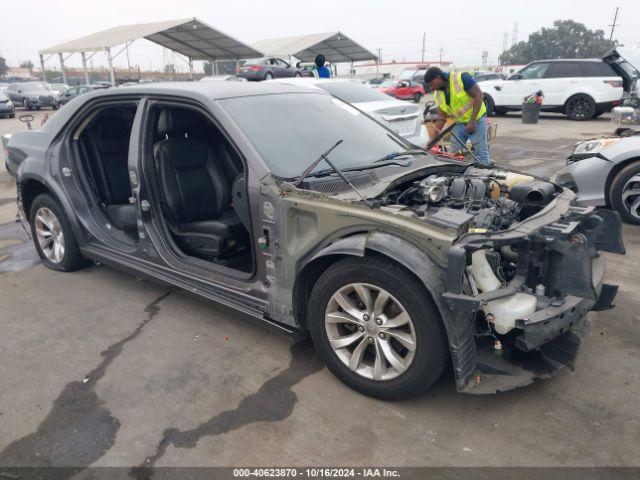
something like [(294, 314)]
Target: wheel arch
[(30, 186), (386, 245), (614, 172)]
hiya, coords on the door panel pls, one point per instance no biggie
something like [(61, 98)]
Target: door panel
[(561, 80), (529, 80)]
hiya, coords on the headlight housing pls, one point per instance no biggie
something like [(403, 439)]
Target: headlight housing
[(591, 148)]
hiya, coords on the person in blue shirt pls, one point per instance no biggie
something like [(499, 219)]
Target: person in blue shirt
[(320, 71)]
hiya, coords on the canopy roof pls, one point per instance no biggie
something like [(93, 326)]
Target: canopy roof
[(190, 37), (335, 46)]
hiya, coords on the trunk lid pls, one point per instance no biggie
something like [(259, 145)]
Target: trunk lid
[(626, 63)]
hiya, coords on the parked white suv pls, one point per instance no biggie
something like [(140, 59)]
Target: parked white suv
[(581, 89)]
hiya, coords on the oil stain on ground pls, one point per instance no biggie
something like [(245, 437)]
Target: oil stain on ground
[(273, 402), (79, 429)]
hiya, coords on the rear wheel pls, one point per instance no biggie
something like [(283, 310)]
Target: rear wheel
[(489, 105), (416, 97), (376, 328), (297, 74), (52, 235), (624, 193), (268, 76), (580, 107)]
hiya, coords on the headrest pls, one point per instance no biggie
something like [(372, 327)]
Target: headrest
[(176, 122)]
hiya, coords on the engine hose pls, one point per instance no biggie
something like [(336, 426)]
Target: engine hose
[(509, 253)]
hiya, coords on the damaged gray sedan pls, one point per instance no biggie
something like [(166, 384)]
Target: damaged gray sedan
[(301, 211)]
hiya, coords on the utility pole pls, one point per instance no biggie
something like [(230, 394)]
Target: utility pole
[(424, 40), (514, 35), (614, 24), (441, 49), (378, 62)]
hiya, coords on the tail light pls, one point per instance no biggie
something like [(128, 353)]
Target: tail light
[(254, 68), (614, 83)]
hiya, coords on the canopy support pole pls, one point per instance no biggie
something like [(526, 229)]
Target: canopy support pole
[(64, 74), (112, 72), (44, 73), (84, 66), (214, 67), (193, 76)]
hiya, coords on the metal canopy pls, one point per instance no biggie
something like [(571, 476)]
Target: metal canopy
[(190, 37), (335, 46)]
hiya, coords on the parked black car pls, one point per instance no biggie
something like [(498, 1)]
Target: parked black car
[(266, 68), (31, 95), (7, 109), (72, 92), (415, 264)]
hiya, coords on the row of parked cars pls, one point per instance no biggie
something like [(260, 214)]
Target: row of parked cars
[(36, 95)]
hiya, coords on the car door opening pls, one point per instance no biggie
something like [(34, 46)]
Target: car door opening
[(103, 147), (202, 186)]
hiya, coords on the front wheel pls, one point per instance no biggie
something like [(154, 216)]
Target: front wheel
[(52, 235), (417, 97), (624, 193), (376, 328), (580, 107), (297, 75)]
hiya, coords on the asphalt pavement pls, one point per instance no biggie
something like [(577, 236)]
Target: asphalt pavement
[(100, 368)]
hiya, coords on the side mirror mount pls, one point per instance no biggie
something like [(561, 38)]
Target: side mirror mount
[(515, 76)]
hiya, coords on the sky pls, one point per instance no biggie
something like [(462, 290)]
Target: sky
[(461, 29)]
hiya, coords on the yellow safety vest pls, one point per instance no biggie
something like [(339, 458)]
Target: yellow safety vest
[(460, 102)]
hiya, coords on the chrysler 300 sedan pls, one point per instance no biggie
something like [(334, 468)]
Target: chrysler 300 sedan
[(295, 208)]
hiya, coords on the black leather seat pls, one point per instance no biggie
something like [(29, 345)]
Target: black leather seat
[(196, 189), (109, 149)]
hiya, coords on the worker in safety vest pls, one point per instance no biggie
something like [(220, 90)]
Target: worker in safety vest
[(458, 96), (320, 71)]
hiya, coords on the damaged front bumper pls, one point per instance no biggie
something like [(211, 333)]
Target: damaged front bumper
[(558, 248)]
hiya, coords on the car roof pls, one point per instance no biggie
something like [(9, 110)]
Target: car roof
[(553, 60), (212, 90)]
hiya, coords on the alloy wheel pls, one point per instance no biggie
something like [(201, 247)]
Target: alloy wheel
[(370, 331), (49, 235), (579, 107), (631, 196)]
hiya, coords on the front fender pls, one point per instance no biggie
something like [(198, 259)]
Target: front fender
[(461, 345)]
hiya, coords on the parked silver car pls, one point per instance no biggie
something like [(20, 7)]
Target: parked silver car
[(402, 117), (606, 172)]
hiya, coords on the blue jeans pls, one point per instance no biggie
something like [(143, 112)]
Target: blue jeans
[(478, 139)]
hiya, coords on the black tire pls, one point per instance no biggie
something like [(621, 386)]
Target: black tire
[(580, 107), (268, 76), (497, 111), (297, 75), (431, 354), (416, 97), (25, 104), (72, 259), (55, 107), (12, 115), (616, 189), (489, 105)]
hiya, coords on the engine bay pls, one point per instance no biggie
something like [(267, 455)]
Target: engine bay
[(477, 200)]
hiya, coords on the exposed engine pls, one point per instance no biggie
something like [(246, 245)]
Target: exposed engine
[(478, 199)]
